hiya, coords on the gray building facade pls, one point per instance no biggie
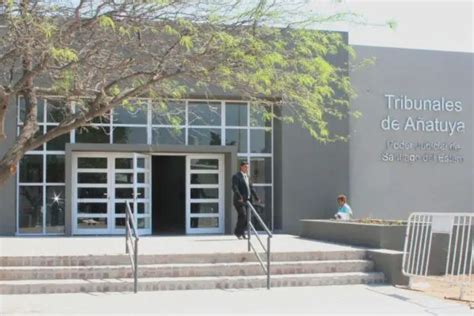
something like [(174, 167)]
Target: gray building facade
[(410, 151)]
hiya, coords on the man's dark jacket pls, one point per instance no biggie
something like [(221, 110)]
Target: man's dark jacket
[(240, 188)]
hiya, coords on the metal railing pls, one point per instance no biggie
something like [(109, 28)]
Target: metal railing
[(251, 229), (130, 227), (446, 239)]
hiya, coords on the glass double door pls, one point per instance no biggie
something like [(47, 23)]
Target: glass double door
[(102, 184)]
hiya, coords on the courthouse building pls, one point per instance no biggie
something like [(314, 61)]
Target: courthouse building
[(411, 150)]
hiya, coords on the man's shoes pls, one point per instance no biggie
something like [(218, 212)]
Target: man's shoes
[(244, 236), (238, 236)]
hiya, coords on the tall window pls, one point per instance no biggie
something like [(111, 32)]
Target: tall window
[(41, 182)]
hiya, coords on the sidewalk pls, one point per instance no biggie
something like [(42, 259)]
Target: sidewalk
[(105, 245), (351, 299)]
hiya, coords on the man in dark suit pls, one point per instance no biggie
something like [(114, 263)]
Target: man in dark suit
[(243, 192)]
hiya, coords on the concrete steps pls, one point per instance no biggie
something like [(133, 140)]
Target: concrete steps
[(124, 259), (69, 274), (181, 270), (186, 283)]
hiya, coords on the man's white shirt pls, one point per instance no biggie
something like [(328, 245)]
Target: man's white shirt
[(246, 179)]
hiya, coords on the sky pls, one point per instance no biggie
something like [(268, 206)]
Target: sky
[(421, 24), (445, 25)]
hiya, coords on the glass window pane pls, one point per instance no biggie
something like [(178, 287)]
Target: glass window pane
[(204, 113), (55, 209), (55, 166), (142, 208), (141, 193), (260, 141), (124, 178), (130, 135), (168, 136), (124, 193), (92, 193), (30, 209), (140, 162), (169, 113), (204, 208), (236, 114), (58, 143), (205, 164), (96, 177), (136, 113), (260, 116), (40, 106), (123, 163), (140, 177), (204, 193), (92, 208), (56, 110), (143, 222), (96, 134), (261, 169), (120, 223), (92, 163), (264, 207), (92, 223), (200, 178), (204, 222), (204, 136), (31, 168), (120, 208), (237, 137)]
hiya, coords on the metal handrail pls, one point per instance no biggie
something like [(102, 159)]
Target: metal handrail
[(130, 218), (251, 229)]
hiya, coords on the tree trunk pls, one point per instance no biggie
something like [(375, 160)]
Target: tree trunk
[(4, 100), (6, 171)]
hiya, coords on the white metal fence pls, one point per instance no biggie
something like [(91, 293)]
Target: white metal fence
[(439, 246)]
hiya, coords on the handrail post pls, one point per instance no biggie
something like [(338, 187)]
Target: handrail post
[(135, 274), (127, 220), (250, 227), (249, 218), (130, 220), (268, 262)]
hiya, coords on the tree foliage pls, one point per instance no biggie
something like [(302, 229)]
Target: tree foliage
[(102, 54)]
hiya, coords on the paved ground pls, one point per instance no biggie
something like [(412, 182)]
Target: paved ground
[(64, 246), (360, 299)]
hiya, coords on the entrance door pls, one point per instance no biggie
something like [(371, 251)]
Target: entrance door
[(169, 195), (204, 194), (102, 184), (91, 193)]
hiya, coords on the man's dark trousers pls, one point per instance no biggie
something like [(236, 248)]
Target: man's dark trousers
[(241, 218), (242, 194)]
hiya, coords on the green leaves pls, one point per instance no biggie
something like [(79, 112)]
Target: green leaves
[(186, 41), (47, 29), (114, 90), (106, 22), (63, 54)]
